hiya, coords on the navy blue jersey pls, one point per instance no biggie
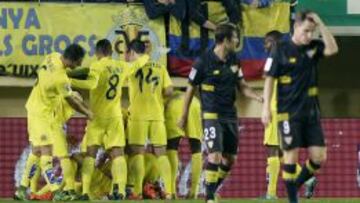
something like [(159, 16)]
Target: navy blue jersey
[(295, 67), (218, 81)]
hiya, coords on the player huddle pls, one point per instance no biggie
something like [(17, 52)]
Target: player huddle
[(133, 154)]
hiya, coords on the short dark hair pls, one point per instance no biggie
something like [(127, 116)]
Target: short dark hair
[(303, 16), (104, 46), (274, 35), (74, 52), (137, 45), (225, 31)]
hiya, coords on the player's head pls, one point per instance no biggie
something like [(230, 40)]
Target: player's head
[(103, 48), (73, 56), (227, 35), (304, 28), (135, 48), (271, 39)]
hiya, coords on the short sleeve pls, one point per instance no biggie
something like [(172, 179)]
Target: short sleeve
[(319, 46), (196, 75), (272, 64)]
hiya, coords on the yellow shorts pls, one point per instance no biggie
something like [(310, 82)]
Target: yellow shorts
[(40, 130), (60, 149), (140, 131), (105, 132), (193, 129), (271, 136)]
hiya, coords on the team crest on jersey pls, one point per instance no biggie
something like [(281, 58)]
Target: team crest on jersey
[(133, 24), (288, 140), (311, 52), (234, 68), (210, 144)]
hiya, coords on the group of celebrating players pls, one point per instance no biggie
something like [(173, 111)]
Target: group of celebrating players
[(133, 154)]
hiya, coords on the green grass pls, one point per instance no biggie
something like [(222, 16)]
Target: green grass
[(315, 200)]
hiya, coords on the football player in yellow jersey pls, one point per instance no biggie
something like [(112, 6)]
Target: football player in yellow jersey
[(107, 128), (52, 85), (271, 140), (148, 85), (193, 131)]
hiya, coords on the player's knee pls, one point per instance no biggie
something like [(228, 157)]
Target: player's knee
[(36, 151), (46, 150), (273, 151), (173, 144), (195, 145), (136, 149), (159, 150), (214, 157), (228, 159), (91, 151), (318, 158), (116, 151)]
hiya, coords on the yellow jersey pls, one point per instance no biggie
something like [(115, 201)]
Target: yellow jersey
[(107, 78), (147, 80), (51, 87)]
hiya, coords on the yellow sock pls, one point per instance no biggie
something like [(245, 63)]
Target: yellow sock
[(119, 173), (32, 165), (34, 181), (138, 171), (273, 172), (196, 166), (78, 187), (47, 169), (69, 176), (151, 168), (164, 169), (86, 173), (174, 163)]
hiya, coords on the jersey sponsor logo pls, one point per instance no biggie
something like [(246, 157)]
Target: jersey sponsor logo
[(292, 60), (216, 72), (268, 64), (192, 73)]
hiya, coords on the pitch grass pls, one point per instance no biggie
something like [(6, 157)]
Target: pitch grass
[(315, 200)]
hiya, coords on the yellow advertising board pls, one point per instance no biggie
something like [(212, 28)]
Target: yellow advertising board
[(29, 31)]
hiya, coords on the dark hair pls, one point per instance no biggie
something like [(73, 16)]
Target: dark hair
[(274, 35), (74, 52), (225, 31), (303, 16), (104, 46), (137, 45)]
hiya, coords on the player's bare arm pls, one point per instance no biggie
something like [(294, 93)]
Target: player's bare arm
[(331, 46), (168, 91), (79, 106), (268, 91), (249, 92), (189, 94)]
